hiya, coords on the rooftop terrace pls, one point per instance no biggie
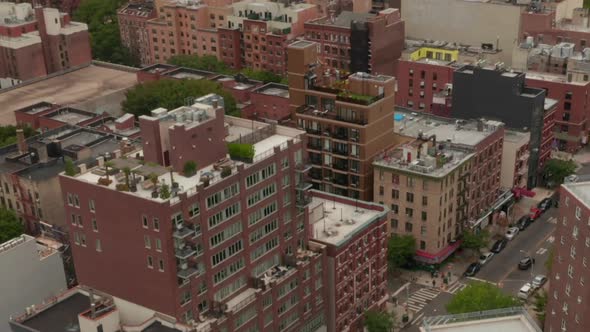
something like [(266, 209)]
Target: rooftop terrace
[(507, 320), (334, 222)]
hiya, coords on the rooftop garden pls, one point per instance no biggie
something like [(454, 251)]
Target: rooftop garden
[(241, 152)]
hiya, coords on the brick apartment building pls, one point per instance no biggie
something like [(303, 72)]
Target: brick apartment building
[(349, 120), (38, 42), (345, 39), (493, 92), (66, 6), (445, 177), (547, 26), (355, 236), (133, 19), (567, 309), (226, 248)]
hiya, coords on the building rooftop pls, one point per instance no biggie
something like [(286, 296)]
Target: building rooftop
[(516, 136), (189, 73), (507, 320), (70, 115), (580, 190), (344, 19), (455, 131), (158, 327), (274, 89), (62, 316), (301, 44), (334, 221), (82, 85)]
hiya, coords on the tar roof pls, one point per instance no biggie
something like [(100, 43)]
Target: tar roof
[(62, 316), (158, 327)]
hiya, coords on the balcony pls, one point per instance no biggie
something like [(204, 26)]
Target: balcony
[(302, 168), (317, 147), (340, 166), (302, 201), (183, 233), (311, 131), (341, 134), (353, 98), (185, 252), (316, 161), (340, 181), (341, 152), (185, 271)]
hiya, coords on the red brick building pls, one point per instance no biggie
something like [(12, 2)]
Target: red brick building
[(226, 248), (269, 102), (567, 307), (545, 28), (133, 18), (355, 236), (38, 42), (345, 39)]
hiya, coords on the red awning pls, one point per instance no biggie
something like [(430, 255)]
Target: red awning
[(423, 256)]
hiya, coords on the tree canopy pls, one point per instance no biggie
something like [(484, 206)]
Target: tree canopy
[(378, 321), (480, 296), (170, 94), (10, 226), (555, 170), (8, 134), (105, 40), (211, 63), (540, 305), (401, 250), (475, 240)]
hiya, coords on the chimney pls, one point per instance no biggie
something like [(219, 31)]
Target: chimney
[(20, 141)]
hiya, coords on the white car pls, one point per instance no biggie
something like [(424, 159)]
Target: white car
[(525, 291), (485, 258), (539, 281), (511, 233)]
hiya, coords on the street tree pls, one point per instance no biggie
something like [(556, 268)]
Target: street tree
[(480, 296), (379, 321), (170, 94), (555, 170), (540, 305), (401, 250), (475, 240), (10, 226)]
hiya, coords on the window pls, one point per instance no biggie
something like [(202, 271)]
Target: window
[(150, 262), (394, 223), (94, 225), (158, 244), (98, 245), (147, 242), (70, 197), (161, 265), (422, 245), (80, 224), (381, 190), (573, 251), (578, 213), (193, 210), (410, 197), (424, 216), (144, 220), (424, 200), (409, 212), (570, 271), (91, 206), (156, 224), (395, 194), (408, 227)]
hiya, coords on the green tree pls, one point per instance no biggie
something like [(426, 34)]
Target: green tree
[(70, 168), (378, 321), (261, 75), (586, 3), (206, 62), (170, 94), (540, 305), (475, 240), (10, 226), (550, 257), (401, 250), (190, 168), (8, 134), (480, 296), (105, 40), (555, 170)]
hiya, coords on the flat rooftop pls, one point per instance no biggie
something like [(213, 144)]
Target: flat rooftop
[(412, 124), (301, 44), (581, 190), (158, 327), (82, 85), (189, 73), (344, 19), (335, 223), (505, 320), (70, 117), (273, 89), (516, 136), (63, 316)]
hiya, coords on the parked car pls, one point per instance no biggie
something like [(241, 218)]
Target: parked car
[(499, 246), (511, 233), (526, 262), (535, 213), (485, 258), (525, 291), (539, 281), (523, 223), (545, 204), (472, 269)]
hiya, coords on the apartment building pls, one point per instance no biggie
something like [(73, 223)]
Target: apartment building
[(547, 25), (40, 41), (494, 92), (566, 307), (345, 39), (348, 119), (133, 18), (564, 75), (269, 102), (218, 240), (426, 69), (515, 159), (355, 237), (443, 180), (36, 272)]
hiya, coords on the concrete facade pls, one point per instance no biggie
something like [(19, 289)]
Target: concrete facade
[(515, 159), (36, 273)]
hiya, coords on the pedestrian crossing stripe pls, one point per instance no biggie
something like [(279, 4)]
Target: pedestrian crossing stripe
[(551, 239), (541, 251), (456, 288)]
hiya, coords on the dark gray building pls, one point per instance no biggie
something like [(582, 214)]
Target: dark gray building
[(495, 93)]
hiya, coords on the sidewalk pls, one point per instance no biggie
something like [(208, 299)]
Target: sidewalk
[(399, 311)]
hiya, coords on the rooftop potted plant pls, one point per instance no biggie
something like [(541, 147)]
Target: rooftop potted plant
[(190, 168), (154, 178), (106, 180)]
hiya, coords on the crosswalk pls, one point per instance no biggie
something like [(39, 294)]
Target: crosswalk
[(421, 298), (552, 220), (457, 287)]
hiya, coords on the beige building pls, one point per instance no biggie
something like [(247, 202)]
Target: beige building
[(425, 183), (515, 159)]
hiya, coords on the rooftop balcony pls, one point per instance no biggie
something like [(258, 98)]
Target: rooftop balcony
[(185, 253)]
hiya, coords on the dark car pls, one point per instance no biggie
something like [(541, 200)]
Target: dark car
[(545, 204), (523, 223), (525, 263), (472, 269), (499, 246)]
